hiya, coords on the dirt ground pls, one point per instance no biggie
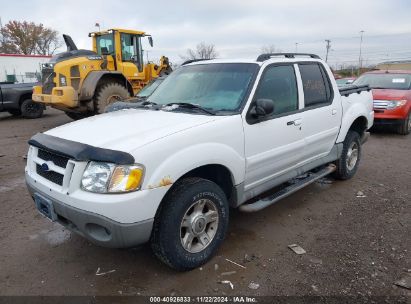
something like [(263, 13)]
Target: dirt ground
[(354, 245)]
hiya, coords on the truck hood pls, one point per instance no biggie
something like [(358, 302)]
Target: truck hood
[(389, 94), (127, 130)]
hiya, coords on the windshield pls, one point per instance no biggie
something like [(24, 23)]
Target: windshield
[(386, 81), (215, 86), (150, 88)]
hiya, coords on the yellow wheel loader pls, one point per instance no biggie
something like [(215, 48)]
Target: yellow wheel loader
[(83, 82)]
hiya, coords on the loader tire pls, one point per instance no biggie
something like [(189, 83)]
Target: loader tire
[(108, 94)]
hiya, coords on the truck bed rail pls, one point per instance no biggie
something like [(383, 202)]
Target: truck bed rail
[(350, 89)]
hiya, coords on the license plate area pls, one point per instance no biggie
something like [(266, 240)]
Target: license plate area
[(45, 207)]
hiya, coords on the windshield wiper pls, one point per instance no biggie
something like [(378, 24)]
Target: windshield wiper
[(145, 102), (190, 106)]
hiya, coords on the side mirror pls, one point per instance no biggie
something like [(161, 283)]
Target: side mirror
[(150, 40), (262, 107)]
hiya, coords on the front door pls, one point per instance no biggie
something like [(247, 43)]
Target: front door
[(274, 144), (131, 55)]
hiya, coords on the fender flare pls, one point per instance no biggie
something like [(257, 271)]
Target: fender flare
[(354, 112), (90, 83)]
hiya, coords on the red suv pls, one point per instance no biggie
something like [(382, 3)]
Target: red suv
[(392, 97)]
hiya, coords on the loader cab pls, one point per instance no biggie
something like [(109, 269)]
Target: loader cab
[(124, 48)]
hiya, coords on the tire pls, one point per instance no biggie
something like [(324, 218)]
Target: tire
[(15, 112), (348, 163), (405, 127), (174, 224), (77, 116), (108, 94), (31, 109)]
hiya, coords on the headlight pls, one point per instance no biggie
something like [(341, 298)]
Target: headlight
[(108, 178), (392, 104), (63, 81)]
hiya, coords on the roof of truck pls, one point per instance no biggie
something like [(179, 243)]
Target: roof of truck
[(389, 72), (255, 61)]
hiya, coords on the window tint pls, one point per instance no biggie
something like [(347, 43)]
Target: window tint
[(315, 83), (278, 83)]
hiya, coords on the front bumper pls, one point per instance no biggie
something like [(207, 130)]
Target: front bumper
[(65, 97), (387, 122), (96, 228)]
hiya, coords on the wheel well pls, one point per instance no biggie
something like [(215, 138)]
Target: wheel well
[(24, 97), (114, 78), (359, 125), (217, 174)]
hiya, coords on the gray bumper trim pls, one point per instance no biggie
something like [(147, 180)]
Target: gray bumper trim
[(98, 229)]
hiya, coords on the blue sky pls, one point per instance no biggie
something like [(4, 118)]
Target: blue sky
[(237, 28)]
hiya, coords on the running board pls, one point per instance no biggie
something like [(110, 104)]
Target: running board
[(299, 184)]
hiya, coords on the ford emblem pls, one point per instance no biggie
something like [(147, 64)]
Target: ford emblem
[(45, 167)]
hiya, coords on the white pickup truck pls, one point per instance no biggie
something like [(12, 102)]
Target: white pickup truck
[(214, 135)]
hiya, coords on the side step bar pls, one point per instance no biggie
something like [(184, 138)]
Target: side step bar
[(301, 183)]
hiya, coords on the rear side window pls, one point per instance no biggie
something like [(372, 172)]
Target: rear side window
[(317, 89)]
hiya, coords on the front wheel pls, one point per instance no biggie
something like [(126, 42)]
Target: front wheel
[(31, 109), (108, 94), (348, 163), (191, 224), (405, 126)]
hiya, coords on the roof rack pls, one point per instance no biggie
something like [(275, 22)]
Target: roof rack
[(264, 57), (192, 60)]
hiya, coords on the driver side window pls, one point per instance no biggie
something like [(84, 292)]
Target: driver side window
[(279, 84)]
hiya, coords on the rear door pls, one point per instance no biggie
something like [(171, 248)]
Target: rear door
[(274, 144), (322, 111)]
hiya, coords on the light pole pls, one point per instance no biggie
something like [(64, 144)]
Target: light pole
[(296, 47), (328, 47), (359, 58)]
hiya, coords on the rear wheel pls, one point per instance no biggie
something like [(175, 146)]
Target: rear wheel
[(405, 127), (191, 224), (31, 109), (108, 94), (348, 163)]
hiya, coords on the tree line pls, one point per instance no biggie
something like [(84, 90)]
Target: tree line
[(28, 38)]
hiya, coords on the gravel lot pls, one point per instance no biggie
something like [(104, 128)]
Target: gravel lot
[(354, 245)]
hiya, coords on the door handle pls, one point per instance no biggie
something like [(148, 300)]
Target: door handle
[(296, 122), (334, 111)]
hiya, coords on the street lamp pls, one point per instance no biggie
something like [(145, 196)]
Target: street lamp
[(359, 58)]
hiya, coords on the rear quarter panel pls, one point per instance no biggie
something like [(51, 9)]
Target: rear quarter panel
[(354, 106)]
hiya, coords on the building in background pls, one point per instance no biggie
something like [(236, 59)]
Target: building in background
[(21, 68), (395, 65)]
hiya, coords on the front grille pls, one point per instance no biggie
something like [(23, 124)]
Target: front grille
[(47, 77), (52, 176), (58, 160), (380, 104)]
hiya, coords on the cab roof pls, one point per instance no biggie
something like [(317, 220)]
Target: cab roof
[(126, 31)]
